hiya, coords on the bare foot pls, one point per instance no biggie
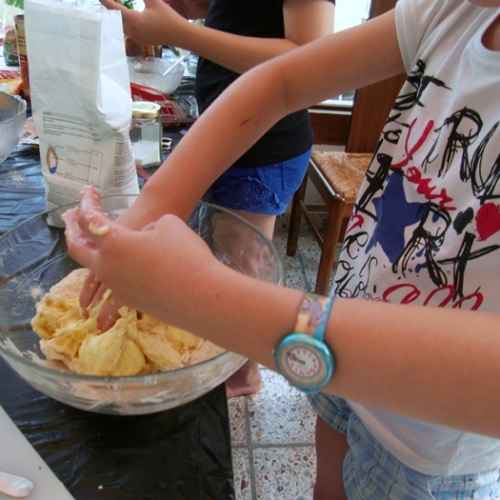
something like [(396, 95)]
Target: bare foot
[(246, 380)]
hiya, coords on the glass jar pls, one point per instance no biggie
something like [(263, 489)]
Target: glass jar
[(146, 133), (8, 32), (22, 54), (135, 49)]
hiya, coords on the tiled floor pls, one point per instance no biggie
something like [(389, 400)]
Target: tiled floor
[(272, 432)]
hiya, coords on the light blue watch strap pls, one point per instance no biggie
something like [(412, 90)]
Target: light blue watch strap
[(313, 315)]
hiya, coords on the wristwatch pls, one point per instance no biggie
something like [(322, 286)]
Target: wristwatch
[(302, 356)]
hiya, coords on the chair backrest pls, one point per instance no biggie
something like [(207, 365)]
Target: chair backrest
[(373, 103)]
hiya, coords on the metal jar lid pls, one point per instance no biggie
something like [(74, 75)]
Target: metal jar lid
[(145, 109)]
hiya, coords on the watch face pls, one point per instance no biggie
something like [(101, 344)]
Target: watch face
[(305, 361)]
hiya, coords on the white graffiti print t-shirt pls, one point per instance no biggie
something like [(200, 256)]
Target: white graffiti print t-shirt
[(426, 226)]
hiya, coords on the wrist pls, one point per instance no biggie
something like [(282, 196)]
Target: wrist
[(303, 357)]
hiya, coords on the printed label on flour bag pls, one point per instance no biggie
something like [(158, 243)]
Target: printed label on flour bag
[(80, 96)]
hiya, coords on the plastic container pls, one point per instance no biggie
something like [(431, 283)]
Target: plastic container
[(146, 132), (150, 71), (8, 33)]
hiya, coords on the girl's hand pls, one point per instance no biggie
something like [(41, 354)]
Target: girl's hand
[(154, 270), (157, 24)]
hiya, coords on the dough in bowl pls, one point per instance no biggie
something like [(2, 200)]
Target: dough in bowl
[(136, 344)]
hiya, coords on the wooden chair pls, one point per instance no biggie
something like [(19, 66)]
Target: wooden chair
[(337, 175)]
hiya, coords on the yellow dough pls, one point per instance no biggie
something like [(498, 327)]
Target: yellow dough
[(135, 344)]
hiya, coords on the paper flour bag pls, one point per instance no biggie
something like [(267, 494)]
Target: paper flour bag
[(80, 95)]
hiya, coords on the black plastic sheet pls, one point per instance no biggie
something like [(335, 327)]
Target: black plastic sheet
[(183, 453), (22, 190)]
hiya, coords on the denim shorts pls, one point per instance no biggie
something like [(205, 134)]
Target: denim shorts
[(372, 473), (260, 190)]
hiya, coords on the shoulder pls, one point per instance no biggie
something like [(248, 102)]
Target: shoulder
[(424, 25)]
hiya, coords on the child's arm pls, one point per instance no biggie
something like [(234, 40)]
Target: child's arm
[(424, 362), (324, 68), (158, 24)]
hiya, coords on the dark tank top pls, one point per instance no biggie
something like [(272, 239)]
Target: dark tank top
[(292, 135)]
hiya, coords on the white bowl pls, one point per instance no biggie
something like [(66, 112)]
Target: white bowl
[(149, 71), (33, 258), (12, 118)]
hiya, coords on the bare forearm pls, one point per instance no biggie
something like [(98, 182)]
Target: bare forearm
[(281, 86), (236, 120), (426, 363), (435, 364), (234, 52), (304, 21)]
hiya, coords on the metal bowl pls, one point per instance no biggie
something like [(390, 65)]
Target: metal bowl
[(12, 118), (33, 257)]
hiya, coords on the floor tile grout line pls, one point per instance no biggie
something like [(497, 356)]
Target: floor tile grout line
[(273, 445), (249, 448), (303, 269), (248, 432)]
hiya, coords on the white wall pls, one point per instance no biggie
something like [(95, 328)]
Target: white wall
[(349, 13)]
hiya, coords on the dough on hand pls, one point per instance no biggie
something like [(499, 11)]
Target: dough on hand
[(135, 344)]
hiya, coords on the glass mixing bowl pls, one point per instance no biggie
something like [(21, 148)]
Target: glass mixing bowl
[(33, 257)]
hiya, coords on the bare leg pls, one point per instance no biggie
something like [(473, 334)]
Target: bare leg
[(264, 222), (331, 448), (247, 380)]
